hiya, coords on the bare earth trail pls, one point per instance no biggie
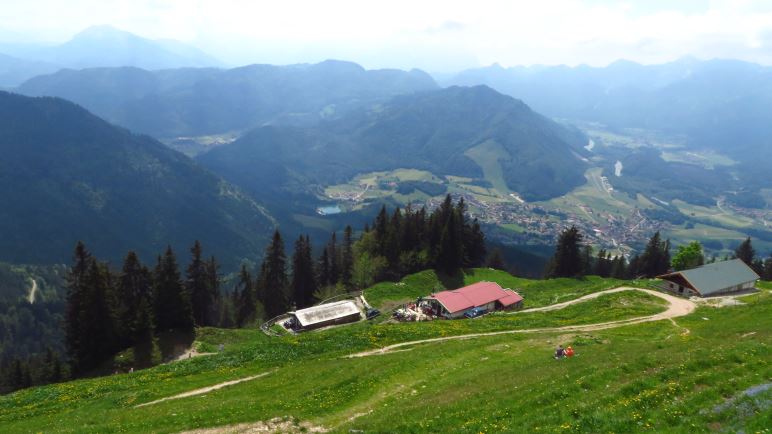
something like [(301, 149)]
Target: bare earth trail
[(677, 307), (204, 390), (32, 292)]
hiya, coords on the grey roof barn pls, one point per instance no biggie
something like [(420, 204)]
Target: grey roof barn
[(709, 279)]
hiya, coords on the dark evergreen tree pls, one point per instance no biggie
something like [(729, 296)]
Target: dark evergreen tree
[(618, 269), (496, 260), (173, 308), (474, 245), (767, 275), (567, 261), (324, 269), (97, 323), (603, 264), (77, 292), (745, 252), (303, 279), (198, 285), (275, 275), (332, 254), (451, 250), (347, 256), (134, 294), (247, 304), (655, 259)]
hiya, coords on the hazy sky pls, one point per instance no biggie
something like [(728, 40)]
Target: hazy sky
[(437, 36)]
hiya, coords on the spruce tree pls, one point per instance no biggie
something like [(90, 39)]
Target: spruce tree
[(97, 319), (173, 308), (346, 258), (275, 274), (474, 245), (655, 259), (76, 300), (618, 270), (567, 261), (134, 301), (198, 285), (245, 310), (745, 252), (324, 269), (332, 248), (303, 279)]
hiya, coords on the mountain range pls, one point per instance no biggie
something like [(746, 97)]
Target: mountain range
[(99, 46), (433, 131), (716, 104), (206, 101), (67, 175)]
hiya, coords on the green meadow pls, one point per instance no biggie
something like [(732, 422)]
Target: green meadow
[(687, 375)]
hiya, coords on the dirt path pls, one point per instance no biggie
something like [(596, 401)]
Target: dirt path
[(189, 354), (204, 389), (677, 307), (32, 292)]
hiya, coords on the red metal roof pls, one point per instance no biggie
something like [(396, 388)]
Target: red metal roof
[(474, 295)]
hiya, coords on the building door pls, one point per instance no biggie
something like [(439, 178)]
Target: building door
[(680, 289)]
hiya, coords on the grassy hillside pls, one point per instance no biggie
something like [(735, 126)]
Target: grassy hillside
[(661, 376)]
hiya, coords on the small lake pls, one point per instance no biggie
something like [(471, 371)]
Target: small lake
[(329, 210)]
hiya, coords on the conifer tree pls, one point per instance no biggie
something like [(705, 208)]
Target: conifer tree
[(324, 268), (655, 259), (173, 308), (745, 252), (97, 320), (303, 279), (245, 310), (332, 248), (567, 261), (275, 275), (134, 301), (199, 285), (347, 256), (76, 301)]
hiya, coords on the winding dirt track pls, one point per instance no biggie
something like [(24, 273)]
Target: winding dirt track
[(676, 307), (204, 389)]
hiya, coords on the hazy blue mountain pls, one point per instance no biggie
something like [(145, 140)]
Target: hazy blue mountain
[(719, 104), (431, 130), (106, 46), (14, 71), (203, 101), (67, 175)]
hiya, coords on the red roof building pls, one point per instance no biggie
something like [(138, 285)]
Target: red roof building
[(487, 296)]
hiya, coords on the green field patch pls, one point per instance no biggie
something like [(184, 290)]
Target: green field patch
[(487, 155), (722, 216), (705, 158)]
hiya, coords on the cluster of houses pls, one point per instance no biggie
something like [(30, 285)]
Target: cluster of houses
[(483, 297)]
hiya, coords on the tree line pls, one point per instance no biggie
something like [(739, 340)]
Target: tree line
[(574, 258), (108, 311)]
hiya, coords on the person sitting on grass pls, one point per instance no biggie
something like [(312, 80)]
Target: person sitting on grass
[(569, 351), (560, 352)]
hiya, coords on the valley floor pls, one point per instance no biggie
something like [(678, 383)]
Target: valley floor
[(686, 371)]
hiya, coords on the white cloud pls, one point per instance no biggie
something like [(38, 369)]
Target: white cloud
[(434, 35)]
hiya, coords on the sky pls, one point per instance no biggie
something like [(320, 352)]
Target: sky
[(437, 36)]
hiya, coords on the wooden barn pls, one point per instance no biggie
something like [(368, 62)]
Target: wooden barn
[(711, 279)]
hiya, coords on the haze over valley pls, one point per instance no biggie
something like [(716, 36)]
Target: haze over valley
[(178, 181)]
